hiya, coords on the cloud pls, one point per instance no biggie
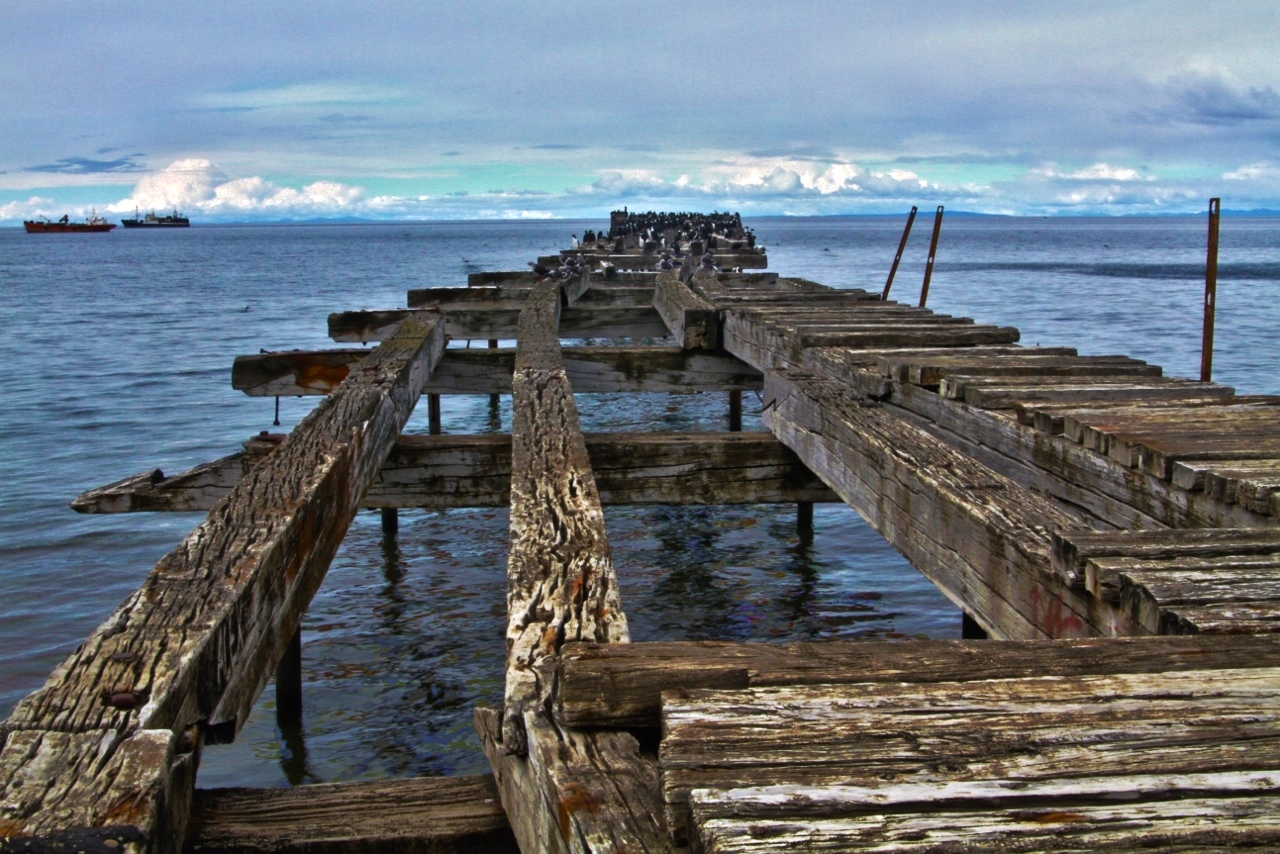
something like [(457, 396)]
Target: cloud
[(344, 119), (89, 166), (300, 95), (558, 146), (1254, 172)]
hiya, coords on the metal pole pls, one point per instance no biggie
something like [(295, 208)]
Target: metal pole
[(1210, 292), (933, 250), (735, 410), (902, 245)]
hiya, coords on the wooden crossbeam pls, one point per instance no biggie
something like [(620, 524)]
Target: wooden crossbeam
[(446, 472), (638, 673), (477, 371), (417, 814), (583, 321), (691, 319), (112, 737)]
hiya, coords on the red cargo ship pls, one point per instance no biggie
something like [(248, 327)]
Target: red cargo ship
[(43, 225)]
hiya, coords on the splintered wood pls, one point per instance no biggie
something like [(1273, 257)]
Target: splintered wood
[(562, 585)]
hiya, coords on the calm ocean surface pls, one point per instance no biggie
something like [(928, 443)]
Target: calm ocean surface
[(118, 354)]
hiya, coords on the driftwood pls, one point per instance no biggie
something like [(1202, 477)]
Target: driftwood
[(112, 738), (453, 814)]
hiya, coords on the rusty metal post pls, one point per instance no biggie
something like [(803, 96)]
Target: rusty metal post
[(433, 414), (289, 684), (735, 411), (897, 259), (1210, 292), (933, 250)]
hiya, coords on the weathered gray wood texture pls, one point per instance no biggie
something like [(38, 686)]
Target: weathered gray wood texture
[(581, 321), (449, 471), (620, 685), (561, 581), (467, 371), (878, 737), (691, 319), (424, 814), (110, 738)]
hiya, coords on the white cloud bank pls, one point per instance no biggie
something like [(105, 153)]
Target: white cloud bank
[(753, 185)]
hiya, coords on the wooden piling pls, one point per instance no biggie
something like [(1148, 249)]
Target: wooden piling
[(289, 684)]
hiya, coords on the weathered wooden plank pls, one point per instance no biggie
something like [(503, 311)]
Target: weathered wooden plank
[(453, 814), (1191, 722), (982, 539), (576, 287), (451, 471), (1189, 813), (512, 292), (1072, 549), (466, 371), (1157, 593), (1008, 395), (691, 319), (576, 791), (930, 371), (561, 581), (620, 685), (199, 639), (582, 321)]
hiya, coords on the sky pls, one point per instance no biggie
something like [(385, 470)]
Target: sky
[(235, 111)]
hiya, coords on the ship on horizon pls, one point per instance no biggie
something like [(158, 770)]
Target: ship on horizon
[(153, 221), (44, 225)]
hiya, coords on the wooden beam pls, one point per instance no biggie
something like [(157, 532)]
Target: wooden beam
[(582, 321), (468, 371), (726, 261), (561, 584), (512, 293), (576, 791), (446, 472), (616, 686), (691, 319), (982, 539), (200, 638), (418, 814)]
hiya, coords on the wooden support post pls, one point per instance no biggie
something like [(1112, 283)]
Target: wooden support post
[(804, 520), (433, 414), (933, 251), (1210, 292), (390, 521), (735, 411), (494, 399), (289, 684), (971, 629)]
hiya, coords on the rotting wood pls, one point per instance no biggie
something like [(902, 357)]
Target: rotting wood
[(561, 581), (576, 791), (1036, 729), (201, 636), (982, 539), (454, 814), (691, 319), (511, 295), (1072, 549), (581, 321), (620, 685), (1222, 812), (444, 472), (466, 371)]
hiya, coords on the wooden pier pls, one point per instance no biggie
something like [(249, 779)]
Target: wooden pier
[(1113, 532)]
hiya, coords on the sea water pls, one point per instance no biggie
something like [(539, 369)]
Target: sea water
[(117, 358)]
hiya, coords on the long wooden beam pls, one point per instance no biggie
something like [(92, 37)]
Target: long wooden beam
[(726, 260), (477, 371), (620, 685), (583, 321), (446, 472), (110, 742), (561, 584), (691, 319), (418, 814), (977, 535)]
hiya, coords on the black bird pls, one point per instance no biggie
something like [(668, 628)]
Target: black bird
[(540, 270)]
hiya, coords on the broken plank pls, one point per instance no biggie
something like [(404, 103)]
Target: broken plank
[(691, 319), (1072, 549), (1008, 395), (561, 581), (423, 813), (581, 321), (620, 685)]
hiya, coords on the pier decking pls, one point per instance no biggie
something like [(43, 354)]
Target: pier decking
[(1113, 531)]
